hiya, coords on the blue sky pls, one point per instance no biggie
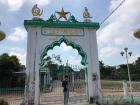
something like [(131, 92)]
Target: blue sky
[(115, 34)]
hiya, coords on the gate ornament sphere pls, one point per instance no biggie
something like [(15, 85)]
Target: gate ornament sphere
[(2, 35), (137, 33)]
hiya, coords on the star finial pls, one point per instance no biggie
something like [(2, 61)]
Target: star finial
[(62, 14)]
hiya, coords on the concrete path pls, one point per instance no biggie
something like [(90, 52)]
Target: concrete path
[(56, 96), (70, 103)]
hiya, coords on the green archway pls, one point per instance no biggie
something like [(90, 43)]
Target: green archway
[(68, 43)]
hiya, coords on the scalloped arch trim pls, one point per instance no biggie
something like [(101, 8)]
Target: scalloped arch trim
[(68, 43)]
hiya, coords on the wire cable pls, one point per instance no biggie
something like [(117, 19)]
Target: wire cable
[(112, 12)]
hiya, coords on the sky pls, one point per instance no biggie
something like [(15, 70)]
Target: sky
[(112, 37)]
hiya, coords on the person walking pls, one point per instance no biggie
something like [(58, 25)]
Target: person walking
[(65, 86)]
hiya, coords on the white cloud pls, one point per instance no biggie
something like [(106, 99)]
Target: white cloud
[(115, 32), (19, 52), (65, 48), (13, 5), (114, 4), (21, 57), (120, 24), (75, 60), (16, 49), (3, 1), (66, 53), (19, 34), (118, 31), (108, 52), (133, 58), (41, 2), (119, 41), (128, 13)]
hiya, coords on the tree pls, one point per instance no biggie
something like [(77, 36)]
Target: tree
[(105, 71), (110, 72), (56, 69), (8, 66), (52, 66), (137, 62), (135, 70)]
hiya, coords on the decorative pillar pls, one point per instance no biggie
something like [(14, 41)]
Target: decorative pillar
[(125, 90)]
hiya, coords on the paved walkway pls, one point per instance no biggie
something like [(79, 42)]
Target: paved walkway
[(61, 103), (56, 96)]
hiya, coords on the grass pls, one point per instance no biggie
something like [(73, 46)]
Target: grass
[(118, 84)]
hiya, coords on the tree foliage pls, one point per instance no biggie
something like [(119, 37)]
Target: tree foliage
[(8, 66), (57, 70), (3, 102), (106, 72), (121, 73)]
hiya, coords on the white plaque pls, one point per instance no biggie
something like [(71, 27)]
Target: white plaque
[(62, 31)]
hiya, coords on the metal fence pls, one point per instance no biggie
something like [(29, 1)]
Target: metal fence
[(113, 91), (14, 96), (54, 91)]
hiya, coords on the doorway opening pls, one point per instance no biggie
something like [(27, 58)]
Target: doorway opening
[(57, 60)]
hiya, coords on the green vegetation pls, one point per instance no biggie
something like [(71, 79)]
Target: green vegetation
[(121, 73), (5, 91), (111, 84), (3, 102), (58, 71), (8, 66), (117, 84)]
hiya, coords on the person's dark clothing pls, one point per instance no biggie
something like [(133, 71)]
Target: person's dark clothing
[(65, 86)]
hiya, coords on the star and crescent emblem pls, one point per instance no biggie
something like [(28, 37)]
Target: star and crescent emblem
[(36, 11), (62, 14), (86, 14)]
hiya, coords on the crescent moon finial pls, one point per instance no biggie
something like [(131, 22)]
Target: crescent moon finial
[(36, 11)]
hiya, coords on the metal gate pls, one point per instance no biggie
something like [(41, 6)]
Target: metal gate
[(51, 84)]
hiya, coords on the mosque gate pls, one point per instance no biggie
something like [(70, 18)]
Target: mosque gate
[(45, 34)]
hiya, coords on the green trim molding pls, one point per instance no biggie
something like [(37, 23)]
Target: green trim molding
[(68, 43), (60, 24)]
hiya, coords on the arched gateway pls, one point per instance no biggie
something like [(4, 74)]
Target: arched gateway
[(45, 34)]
